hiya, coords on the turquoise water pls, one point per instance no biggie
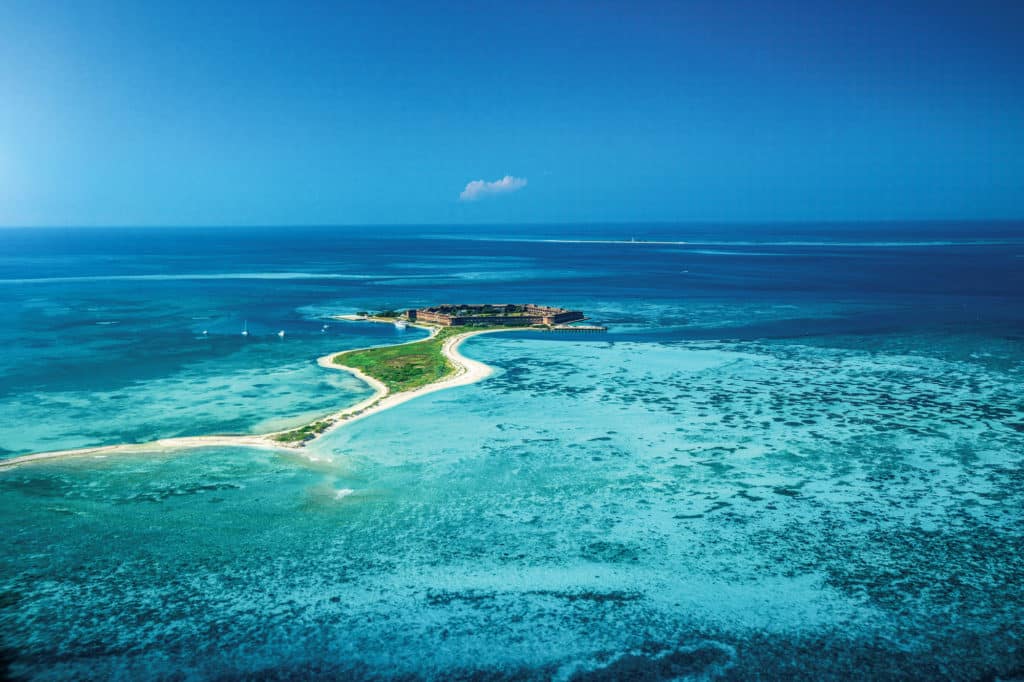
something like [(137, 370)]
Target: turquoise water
[(106, 365), (812, 483)]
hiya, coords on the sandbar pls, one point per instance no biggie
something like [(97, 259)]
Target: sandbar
[(466, 371)]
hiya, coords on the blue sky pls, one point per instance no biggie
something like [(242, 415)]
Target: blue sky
[(134, 113)]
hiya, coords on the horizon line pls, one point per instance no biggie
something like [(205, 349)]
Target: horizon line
[(879, 221)]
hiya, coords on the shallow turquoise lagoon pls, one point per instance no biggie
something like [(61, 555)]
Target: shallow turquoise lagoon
[(596, 509), (135, 386), (797, 454)]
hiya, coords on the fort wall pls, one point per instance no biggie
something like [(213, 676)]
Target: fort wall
[(506, 314)]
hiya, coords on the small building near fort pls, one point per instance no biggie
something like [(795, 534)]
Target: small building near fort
[(492, 313)]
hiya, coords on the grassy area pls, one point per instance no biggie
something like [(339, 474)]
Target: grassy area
[(406, 366), (303, 433), (400, 368)]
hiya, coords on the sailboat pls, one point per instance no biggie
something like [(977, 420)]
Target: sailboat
[(245, 328), (281, 333)]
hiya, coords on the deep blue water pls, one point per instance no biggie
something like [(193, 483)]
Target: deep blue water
[(797, 452)]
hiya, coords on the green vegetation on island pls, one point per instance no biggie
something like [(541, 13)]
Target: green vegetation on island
[(303, 433), (403, 367), (409, 365)]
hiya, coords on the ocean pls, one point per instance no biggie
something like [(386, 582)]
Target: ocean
[(797, 453)]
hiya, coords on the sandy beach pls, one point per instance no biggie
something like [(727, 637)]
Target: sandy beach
[(467, 371)]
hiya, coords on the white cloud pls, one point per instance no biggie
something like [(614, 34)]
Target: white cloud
[(479, 189)]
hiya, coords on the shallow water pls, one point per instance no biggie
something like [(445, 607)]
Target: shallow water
[(87, 371), (787, 485)]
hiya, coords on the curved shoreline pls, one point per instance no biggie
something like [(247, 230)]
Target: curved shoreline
[(467, 371)]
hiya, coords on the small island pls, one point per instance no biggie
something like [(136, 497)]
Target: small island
[(401, 372), (397, 373), (409, 366)]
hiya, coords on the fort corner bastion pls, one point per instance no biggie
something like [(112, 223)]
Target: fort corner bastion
[(494, 313)]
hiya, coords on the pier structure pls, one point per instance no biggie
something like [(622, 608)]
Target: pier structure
[(578, 328)]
